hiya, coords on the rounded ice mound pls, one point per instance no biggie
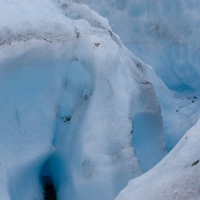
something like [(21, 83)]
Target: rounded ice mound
[(69, 95)]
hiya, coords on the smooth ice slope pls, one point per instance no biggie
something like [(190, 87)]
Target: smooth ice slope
[(69, 96)]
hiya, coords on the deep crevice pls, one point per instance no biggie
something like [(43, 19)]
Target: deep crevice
[(49, 190)]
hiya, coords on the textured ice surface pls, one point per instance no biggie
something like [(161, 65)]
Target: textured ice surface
[(175, 177), (69, 95), (165, 34), (75, 105)]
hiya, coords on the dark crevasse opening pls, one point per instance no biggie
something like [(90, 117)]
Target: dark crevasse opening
[(49, 190)]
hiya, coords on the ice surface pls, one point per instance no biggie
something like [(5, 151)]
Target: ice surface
[(180, 111), (77, 106), (175, 177), (70, 94), (146, 138), (165, 34)]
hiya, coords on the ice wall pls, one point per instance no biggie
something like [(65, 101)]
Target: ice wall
[(165, 34), (69, 94)]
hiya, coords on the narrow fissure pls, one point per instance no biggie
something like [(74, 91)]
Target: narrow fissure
[(49, 190)]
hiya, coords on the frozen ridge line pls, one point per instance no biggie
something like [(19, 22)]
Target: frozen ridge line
[(76, 15), (8, 36)]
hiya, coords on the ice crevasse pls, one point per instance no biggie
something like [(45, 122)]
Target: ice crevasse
[(74, 104)]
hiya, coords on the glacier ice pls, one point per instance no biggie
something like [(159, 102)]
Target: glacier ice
[(165, 34), (175, 177), (70, 94), (78, 108)]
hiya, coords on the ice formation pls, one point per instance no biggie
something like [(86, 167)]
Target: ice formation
[(81, 114), (175, 177), (164, 34), (73, 101)]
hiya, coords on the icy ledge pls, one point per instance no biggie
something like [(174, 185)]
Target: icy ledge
[(72, 100)]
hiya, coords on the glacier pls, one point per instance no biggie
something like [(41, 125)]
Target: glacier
[(72, 97), (79, 109), (175, 177), (164, 34)]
